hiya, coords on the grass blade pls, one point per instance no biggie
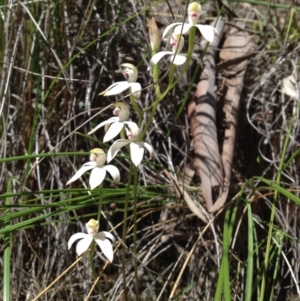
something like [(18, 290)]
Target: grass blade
[(249, 280), (7, 249)]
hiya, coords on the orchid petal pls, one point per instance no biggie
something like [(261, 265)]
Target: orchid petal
[(110, 87), (182, 28), (83, 245), (136, 91), (75, 237), (148, 147), (136, 153), (108, 121), (113, 171), (113, 131), (106, 247), (168, 29), (120, 87), (97, 176), (207, 31), (85, 167), (178, 60), (115, 147), (128, 123), (105, 234), (157, 57), (133, 127)]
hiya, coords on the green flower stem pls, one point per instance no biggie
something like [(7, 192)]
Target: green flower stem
[(91, 256), (124, 234), (137, 109), (156, 71), (171, 75), (135, 181), (122, 134), (172, 83), (100, 202), (188, 91), (93, 246)]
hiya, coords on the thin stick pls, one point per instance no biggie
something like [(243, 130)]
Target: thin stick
[(57, 279)]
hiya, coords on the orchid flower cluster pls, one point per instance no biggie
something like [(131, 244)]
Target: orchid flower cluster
[(98, 168), (177, 41), (120, 123)]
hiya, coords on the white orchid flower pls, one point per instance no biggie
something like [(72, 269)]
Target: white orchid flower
[(98, 173), (136, 147), (103, 239), (177, 43), (130, 72), (194, 9), (115, 124)]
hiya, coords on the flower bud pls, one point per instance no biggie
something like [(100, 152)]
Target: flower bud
[(155, 37)]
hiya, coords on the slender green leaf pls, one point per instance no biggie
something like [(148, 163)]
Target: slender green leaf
[(249, 275), (7, 247)]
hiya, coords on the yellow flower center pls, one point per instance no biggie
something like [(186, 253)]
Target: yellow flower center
[(194, 8), (92, 226), (97, 155)]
